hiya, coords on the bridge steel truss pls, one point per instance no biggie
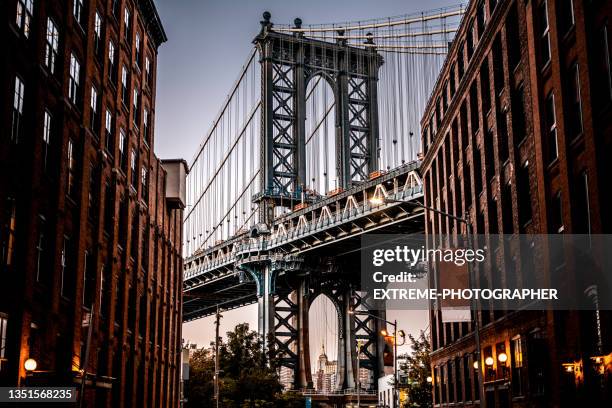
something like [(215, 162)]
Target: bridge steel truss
[(299, 257), (288, 63)]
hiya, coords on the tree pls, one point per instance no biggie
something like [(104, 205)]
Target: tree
[(418, 368), (248, 378)]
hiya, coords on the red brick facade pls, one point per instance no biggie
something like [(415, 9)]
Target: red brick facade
[(86, 228), (517, 136)]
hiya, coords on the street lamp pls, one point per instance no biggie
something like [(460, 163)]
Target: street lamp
[(30, 364), (385, 333), (379, 200)]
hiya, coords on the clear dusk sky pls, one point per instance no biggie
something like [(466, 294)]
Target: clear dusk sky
[(208, 41)]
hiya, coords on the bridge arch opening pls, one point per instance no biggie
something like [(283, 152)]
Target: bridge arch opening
[(323, 341), (322, 159)]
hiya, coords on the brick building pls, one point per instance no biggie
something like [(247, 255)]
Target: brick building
[(90, 218), (517, 136)]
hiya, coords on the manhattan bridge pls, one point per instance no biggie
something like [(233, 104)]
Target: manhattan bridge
[(320, 119)]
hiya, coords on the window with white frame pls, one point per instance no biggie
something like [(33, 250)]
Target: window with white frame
[(3, 325), (145, 126), (124, 86), (109, 138), (148, 69), (73, 83), (134, 174), (17, 120), (136, 113), (77, 11), (98, 33), (126, 25), (137, 53), (71, 182), (544, 33), (25, 9), (111, 62), (94, 105), (575, 102), (551, 127), (122, 150), (51, 45), (40, 247), (46, 138)]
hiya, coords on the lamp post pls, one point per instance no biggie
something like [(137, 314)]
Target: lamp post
[(468, 230), (385, 334)]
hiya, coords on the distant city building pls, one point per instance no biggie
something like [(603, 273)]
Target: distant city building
[(90, 218), (385, 391), (326, 374), (517, 134), (286, 378)]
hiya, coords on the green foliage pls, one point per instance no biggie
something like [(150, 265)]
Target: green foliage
[(418, 368), (248, 377)]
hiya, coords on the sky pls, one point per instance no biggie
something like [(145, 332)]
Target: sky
[(208, 42)]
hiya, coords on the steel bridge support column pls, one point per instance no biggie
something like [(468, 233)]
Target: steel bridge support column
[(373, 144), (304, 373), (265, 306), (342, 129), (347, 352)]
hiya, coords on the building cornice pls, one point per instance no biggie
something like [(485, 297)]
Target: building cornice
[(149, 14)]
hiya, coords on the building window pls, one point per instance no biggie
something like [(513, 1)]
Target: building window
[(134, 174), (94, 121), (136, 115), (144, 180), (566, 16), (513, 41), (524, 194), (46, 138), (474, 108), (544, 34), (8, 242), (71, 185), (93, 193), (138, 54), (40, 248), (122, 151), (98, 34), (51, 46), (64, 260), (112, 71), (77, 10), (605, 66), (109, 208), (519, 128), (575, 101), (148, 69), (124, 86), (17, 121), (481, 18), (551, 128), (116, 8), (109, 138), (556, 222), (73, 84), (24, 16), (518, 377), (145, 126), (89, 280), (583, 207), (126, 25)]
